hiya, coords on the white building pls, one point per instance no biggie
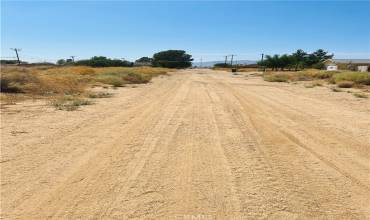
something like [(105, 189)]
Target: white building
[(331, 67), (362, 68)]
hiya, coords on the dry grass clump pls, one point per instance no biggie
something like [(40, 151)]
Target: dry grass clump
[(136, 70), (71, 79), (336, 89), (100, 95), (345, 84), (18, 81), (313, 84), (359, 78), (344, 79), (360, 95), (112, 79), (32, 81), (119, 76), (276, 77), (76, 70), (69, 103)]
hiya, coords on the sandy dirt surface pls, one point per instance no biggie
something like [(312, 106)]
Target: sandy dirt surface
[(197, 144)]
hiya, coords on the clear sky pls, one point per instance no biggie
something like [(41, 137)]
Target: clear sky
[(49, 30)]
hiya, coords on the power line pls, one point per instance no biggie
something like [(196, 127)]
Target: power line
[(16, 52)]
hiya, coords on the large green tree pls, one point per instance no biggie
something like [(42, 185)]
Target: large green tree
[(318, 57), (172, 59)]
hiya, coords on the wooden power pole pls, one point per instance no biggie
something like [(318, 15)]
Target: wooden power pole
[(16, 52)]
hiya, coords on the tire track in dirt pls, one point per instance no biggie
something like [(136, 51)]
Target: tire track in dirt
[(263, 126), (294, 137), (136, 148)]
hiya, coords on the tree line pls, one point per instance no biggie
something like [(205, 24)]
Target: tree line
[(297, 60), (167, 59)]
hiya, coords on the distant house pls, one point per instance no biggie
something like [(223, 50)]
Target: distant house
[(330, 65), (362, 65)]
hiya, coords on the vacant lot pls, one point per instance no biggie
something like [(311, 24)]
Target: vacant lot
[(194, 144), (72, 83)]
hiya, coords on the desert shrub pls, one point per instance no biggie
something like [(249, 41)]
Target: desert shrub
[(18, 81), (100, 95), (323, 74), (136, 78), (114, 81), (111, 78), (355, 77), (336, 89), (68, 80), (345, 84), (61, 84), (69, 103), (360, 95), (313, 84), (119, 78), (279, 77), (83, 70), (8, 86), (317, 84)]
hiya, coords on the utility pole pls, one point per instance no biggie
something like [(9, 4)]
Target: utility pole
[(225, 60), (201, 62), (16, 52), (73, 58), (263, 65), (232, 57)]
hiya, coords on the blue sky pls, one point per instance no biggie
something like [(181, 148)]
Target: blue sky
[(49, 30)]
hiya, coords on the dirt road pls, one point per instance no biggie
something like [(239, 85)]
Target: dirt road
[(197, 144)]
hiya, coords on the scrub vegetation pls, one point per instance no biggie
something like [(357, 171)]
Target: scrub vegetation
[(68, 85), (343, 79)]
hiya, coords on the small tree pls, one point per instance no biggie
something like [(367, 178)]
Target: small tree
[(61, 62), (172, 59)]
